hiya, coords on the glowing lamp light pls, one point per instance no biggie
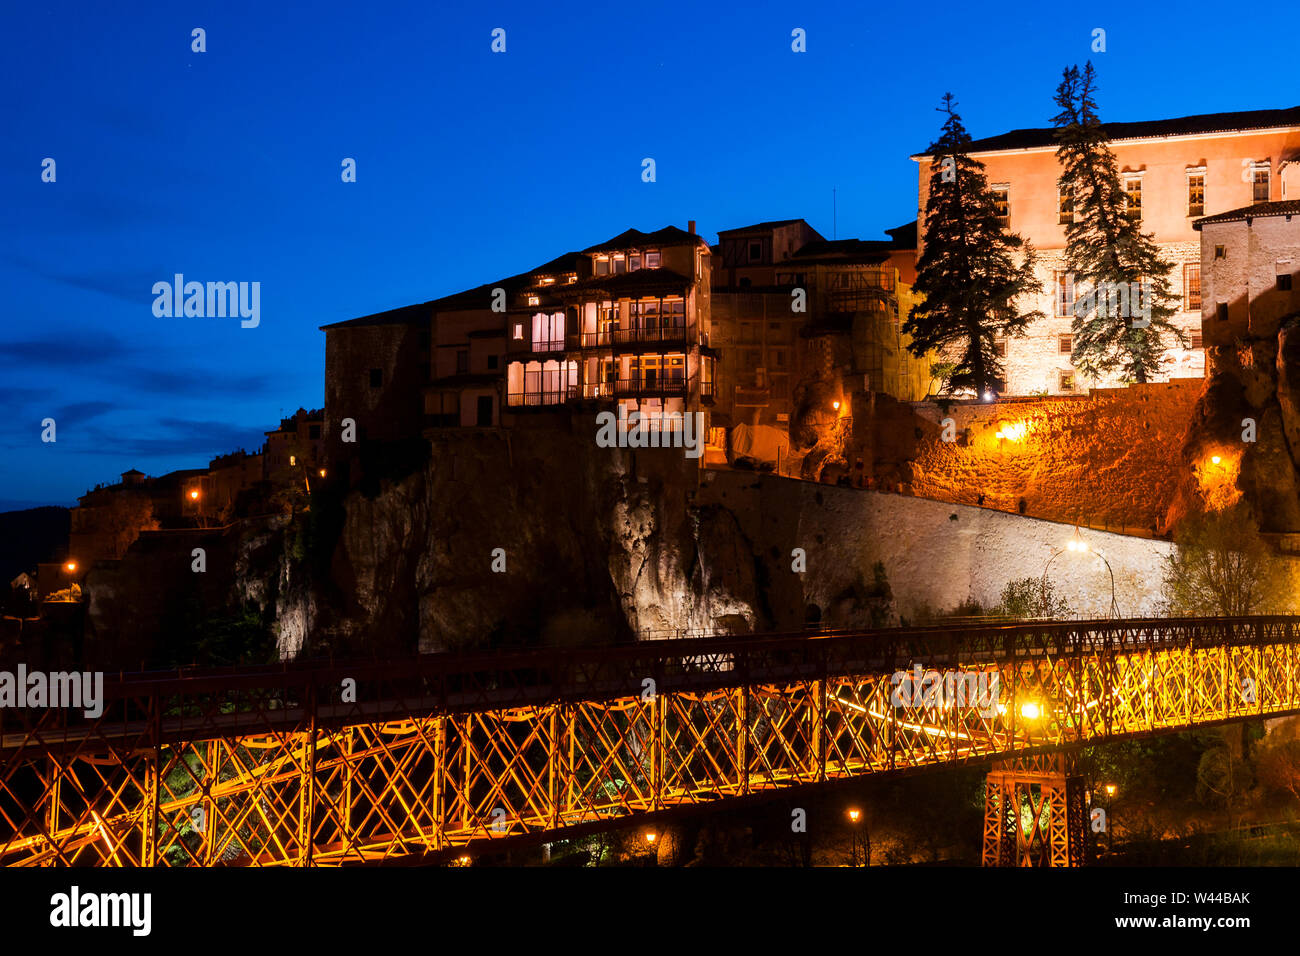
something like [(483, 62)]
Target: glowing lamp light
[(835, 405), (71, 566), (322, 472), (988, 396), (1030, 710), (1110, 790), (651, 837), (854, 814), (1215, 459), (194, 495)]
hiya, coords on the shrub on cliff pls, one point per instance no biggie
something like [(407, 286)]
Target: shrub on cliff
[(1221, 566), (1032, 598)]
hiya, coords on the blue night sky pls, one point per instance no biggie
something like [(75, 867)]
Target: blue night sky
[(225, 166)]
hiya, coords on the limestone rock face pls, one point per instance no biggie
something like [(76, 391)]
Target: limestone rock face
[(1253, 391)]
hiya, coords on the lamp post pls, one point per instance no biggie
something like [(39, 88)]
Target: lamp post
[(861, 836), (1077, 544)]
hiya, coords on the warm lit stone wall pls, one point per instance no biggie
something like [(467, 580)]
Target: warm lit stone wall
[(1106, 460)]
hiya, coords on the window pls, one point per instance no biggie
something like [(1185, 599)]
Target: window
[(1192, 287), (1065, 381), (1065, 344), (492, 362), (1064, 294), (777, 358), (293, 460), (748, 333), (534, 300), (1197, 341), (1065, 203), (1002, 203), (633, 262), (376, 378), (462, 361), (313, 432), (1259, 176), (755, 251), (1221, 311), (1133, 197), (548, 332), (652, 260), (1000, 347), (620, 265), (1284, 282), (602, 266), (1220, 252), (1196, 194), (519, 331)]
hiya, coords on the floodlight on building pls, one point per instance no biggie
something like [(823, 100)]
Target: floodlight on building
[(836, 404), (651, 836), (1215, 459), (1030, 710)]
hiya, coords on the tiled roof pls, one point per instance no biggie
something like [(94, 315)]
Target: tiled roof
[(639, 280), (844, 250), (406, 315), (1181, 126), (1283, 207), (760, 227), (904, 236), (635, 239)]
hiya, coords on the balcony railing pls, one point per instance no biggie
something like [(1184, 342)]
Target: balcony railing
[(669, 332)]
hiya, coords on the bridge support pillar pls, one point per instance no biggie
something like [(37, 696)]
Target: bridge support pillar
[(1035, 813)]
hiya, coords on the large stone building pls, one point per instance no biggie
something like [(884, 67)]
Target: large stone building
[(1174, 172)]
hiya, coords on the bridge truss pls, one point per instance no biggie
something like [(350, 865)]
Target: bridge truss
[(327, 764)]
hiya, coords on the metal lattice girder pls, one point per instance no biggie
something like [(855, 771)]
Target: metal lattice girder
[(273, 766)]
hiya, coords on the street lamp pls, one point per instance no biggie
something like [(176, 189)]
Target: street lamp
[(1078, 545), (71, 567), (860, 837)]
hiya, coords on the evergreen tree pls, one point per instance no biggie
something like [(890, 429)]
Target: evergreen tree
[(1121, 322), (968, 273)]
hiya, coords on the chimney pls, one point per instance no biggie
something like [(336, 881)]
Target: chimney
[(690, 227)]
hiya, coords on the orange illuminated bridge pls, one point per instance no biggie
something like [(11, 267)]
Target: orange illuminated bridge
[(434, 757)]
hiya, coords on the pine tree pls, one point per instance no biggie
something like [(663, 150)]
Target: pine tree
[(1121, 322), (968, 273)]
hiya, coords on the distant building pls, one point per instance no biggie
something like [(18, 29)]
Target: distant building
[(1173, 172), (296, 447)]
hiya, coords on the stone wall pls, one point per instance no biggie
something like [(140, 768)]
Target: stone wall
[(935, 554), (1108, 460)]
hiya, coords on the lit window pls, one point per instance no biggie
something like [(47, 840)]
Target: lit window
[(652, 260), (1065, 381), (519, 331), (1065, 203), (534, 300), (1002, 203), (1133, 197), (1196, 194), (633, 262), (602, 266), (1260, 176), (548, 332), (620, 265), (293, 460), (1064, 294), (1197, 341), (1192, 287)]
